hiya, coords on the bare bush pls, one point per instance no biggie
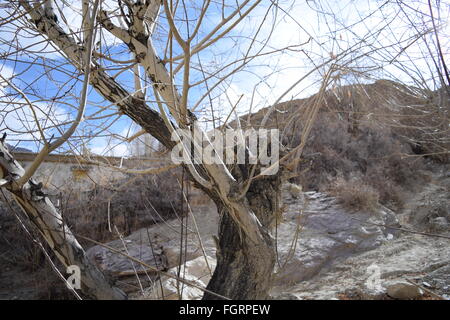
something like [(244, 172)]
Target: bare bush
[(355, 195), (130, 204), (25, 271)]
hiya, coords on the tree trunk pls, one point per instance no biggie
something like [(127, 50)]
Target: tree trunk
[(244, 269)]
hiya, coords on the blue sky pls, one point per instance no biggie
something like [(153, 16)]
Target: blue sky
[(258, 85)]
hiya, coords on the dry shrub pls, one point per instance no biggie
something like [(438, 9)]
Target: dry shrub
[(371, 132), (28, 270), (17, 247), (379, 132), (134, 203), (426, 125), (390, 194), (385, 133), (355, 195), (372, 153)]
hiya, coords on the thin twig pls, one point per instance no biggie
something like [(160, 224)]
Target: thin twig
[(404, 230)]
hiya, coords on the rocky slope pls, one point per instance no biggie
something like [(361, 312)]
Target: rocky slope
[(423, 259)]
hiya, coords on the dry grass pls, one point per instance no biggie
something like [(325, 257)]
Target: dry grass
[(372, 155), (355, 195), (134, 203)]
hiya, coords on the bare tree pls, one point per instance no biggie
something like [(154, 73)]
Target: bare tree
[(144, 59)]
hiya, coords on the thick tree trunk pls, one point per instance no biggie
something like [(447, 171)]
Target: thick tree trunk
[(46, 218), (244, 268)]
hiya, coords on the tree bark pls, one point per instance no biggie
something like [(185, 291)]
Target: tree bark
[(244, 268)]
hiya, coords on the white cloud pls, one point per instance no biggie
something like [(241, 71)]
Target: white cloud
[(7, 73), (109, 147), (14, 35)]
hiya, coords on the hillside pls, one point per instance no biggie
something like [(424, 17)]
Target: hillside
[(379, 136)]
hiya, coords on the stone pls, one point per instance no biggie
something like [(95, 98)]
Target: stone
[(439, 279), (157, 246), (285, 296), (439, 224), (404, 291), (326, 233), (197, 271), (432, 211)]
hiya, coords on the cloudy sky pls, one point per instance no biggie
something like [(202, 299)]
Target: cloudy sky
[(290, 40)]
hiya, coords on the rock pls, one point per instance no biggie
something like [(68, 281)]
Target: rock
[(355, 292), (157, 246), (439, 279), (432, 211), (328, 233), (285, 296), (418, 257), (439, 224), (404, 291), (195, 271), (114, 263)]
